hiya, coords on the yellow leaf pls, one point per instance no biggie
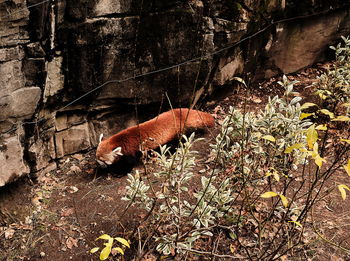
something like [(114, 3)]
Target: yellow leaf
[(347, 167), (342, 118), (303, 150), (342, 188), (293, 147), (305, 115), (307, 105), (269, 194), (346, 104), (311, 136), (322, 127), (232, 248), (118, 249), (327, 112), (315, 149), (284, 200), (94, 250), (347, 141), (105, 253), (123, 241), (322, 96), (273, 173), (238, 79), (268, 174), (269, 137), (319, 161), (104, 236), (296, 223)]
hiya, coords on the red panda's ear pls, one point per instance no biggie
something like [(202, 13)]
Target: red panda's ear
[(101, 137), (118, 151)]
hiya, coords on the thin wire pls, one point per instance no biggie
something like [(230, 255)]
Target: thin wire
[(23, 9), (172, 66), (193, 59)]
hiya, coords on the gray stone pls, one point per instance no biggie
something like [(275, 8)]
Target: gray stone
[(8, 54), (228, 69), (65, 121), (54, 79), (14, 19), (12, 77), (21, 103), (106, 7), (12, 164), (298, 45), (73, 140), (42, 149)]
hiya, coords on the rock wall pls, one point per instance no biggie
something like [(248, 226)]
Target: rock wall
[(52, 53)]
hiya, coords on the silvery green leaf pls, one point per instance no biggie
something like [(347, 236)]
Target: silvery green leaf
[(295, 100)]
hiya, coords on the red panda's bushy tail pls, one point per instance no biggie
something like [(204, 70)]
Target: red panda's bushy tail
[(194, 118)]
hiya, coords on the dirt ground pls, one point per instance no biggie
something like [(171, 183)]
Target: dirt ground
[(59, 215)]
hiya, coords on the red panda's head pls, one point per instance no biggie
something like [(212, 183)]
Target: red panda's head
[(105, 154)]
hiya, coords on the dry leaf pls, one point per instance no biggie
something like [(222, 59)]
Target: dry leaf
[(9, 233), (70, 242), (72, 189), (67, 212)]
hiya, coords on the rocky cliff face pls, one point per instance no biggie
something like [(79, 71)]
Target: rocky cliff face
[(53, 52)]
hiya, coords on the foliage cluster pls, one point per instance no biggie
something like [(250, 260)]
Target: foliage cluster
[(268, 170)]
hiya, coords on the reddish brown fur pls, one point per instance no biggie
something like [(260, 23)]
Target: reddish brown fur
[(158, 131)]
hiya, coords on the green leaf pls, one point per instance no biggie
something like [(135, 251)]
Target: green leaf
[(342, 188), (123, 241), (118, 249), (105, 253), (311, 136), (341, 118), (94, 250), (104, 236), (232, 235), (347, 167), (293, 147), (269, 137), (284, 200), (327, 112), (307, 105), (269, 194)]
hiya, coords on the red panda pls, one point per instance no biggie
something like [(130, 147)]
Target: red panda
[(151, 134)]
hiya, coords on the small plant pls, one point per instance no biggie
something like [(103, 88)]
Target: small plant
[(262, 138), (184, 222), (108, 249), (334, 84)]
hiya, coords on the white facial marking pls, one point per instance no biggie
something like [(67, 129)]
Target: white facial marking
[(101, 137)]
